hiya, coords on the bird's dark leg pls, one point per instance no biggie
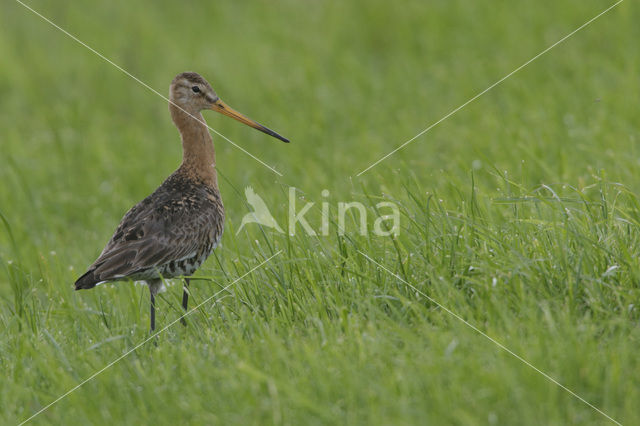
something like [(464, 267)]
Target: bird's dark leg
[(185, 299), (153, 312), (154, 287)]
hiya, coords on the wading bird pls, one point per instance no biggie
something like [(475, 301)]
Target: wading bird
[(171, 232)]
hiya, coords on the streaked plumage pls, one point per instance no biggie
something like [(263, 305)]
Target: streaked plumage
[(172, 232), (168, 234)]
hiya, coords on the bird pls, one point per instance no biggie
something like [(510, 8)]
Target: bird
[(170, 233), (260, 213)]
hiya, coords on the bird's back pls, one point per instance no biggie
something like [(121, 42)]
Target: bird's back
[(168, 234)]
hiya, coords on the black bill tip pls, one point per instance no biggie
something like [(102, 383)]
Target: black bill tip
[(274, 134)]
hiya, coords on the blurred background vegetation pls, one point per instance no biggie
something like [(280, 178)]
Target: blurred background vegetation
[(519, 212)]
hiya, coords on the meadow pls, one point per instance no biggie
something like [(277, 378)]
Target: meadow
[(520, 213)]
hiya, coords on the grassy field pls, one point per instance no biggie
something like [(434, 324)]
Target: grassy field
[(520, 213)]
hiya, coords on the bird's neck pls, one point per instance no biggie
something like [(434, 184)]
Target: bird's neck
[(198, 154)]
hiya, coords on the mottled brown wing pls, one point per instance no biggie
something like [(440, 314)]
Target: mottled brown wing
[(166, 226), (144, 245)]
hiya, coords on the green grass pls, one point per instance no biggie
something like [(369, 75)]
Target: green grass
[(520, 213)]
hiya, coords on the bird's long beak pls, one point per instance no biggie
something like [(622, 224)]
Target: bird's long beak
[(225, 109)]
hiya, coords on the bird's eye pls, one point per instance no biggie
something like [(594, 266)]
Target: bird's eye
[(195, 89)]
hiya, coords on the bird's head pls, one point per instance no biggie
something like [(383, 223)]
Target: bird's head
[(192, 94)]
